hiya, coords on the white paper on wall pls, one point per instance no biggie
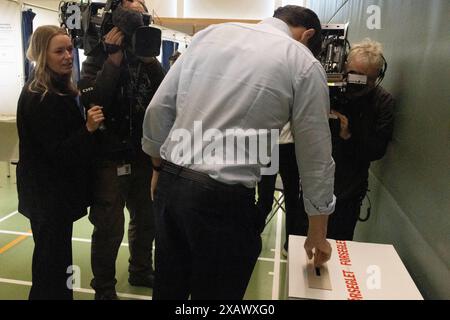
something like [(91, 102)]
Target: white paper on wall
[(11, 65)]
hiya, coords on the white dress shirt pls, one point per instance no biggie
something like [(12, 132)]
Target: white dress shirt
[(247, 77)]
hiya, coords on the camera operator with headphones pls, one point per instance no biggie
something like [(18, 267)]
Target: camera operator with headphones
[(365, 118), (123, 83)]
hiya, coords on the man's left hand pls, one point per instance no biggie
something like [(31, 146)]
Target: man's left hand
[(345, 131), (154, 182)]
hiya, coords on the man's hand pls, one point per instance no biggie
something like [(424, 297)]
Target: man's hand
[(153, 184), (316, 244), (345, 131), (136, 5), (115, 38), (156, 162)]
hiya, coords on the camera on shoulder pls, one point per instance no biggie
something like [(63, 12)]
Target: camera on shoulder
[(88, 24)]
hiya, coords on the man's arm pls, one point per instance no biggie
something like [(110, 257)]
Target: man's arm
[(103, 71), (159, 119), (310, 126), (161, 112), (312, 138)]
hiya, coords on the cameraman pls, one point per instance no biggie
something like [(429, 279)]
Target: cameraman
[(365, 127), (123, 84)]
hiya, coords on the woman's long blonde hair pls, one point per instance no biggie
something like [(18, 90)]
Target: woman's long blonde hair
[(37, 52)]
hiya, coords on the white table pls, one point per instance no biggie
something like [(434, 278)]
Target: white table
[(9, 140)]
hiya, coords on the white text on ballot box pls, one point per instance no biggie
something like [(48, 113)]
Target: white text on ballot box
[(356, 271)]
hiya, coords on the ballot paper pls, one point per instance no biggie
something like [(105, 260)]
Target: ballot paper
[(318, 278), (356, 271)]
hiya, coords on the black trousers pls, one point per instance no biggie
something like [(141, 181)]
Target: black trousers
[(111, 194), (291, 185), (341, 224), (207, 240), (52, 255)]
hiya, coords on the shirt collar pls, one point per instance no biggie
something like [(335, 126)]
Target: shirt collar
[(278, 24)]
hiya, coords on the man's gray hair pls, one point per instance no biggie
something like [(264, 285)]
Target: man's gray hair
[(369, 51)]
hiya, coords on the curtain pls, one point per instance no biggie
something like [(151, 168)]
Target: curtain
[(168, 49), (76, 66), (27, 30)]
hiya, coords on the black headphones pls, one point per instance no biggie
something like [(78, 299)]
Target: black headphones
[(383, 70)]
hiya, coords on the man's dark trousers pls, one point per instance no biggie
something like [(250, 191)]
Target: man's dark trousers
[(291, 185), (111, 194), (207, 239)]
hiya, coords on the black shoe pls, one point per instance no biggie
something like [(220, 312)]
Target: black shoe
[(106, 295), (140, 280)]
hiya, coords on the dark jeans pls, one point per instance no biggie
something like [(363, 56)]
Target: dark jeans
[(207, 240), (52, 255), (111, 194), (291, 185), (341, 224)]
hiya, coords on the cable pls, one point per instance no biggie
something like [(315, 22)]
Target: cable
[(338, 11), (278, 204), (369, 211), (157, 18)]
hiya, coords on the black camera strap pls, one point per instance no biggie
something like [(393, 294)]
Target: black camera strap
[(133, 93)]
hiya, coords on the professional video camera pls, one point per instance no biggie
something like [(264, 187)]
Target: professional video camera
[(97, 19), (335, 49)]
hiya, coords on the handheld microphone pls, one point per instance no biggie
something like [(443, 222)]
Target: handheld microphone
[(88, 97)]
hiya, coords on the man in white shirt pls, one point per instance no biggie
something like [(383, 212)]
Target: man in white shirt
[(235, 81)]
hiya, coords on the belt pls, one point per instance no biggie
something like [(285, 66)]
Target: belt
[(203, 178)]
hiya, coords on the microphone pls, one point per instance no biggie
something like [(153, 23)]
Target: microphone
[(89, 97)]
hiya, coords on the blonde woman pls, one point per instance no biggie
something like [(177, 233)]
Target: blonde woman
[(54, 150)]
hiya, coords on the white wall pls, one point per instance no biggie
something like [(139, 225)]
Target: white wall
[(11, 66), (295, 2), (229, 9), (226, 9), (44, 17), (52, 4), (162, 8)]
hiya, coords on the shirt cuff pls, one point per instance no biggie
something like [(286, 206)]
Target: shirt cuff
[(151, 147), (313, 210)]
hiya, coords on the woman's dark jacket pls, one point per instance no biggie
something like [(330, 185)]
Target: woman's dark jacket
[(54, 152)]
